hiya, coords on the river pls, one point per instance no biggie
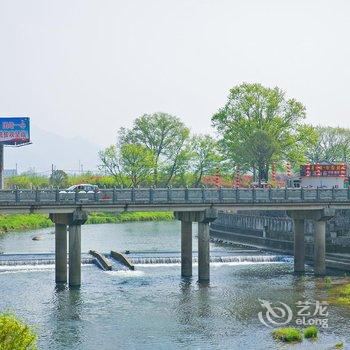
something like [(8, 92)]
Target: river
[(152, 307)]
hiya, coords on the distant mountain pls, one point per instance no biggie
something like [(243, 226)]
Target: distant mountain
[(69, 154)]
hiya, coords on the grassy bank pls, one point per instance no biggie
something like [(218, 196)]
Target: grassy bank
[(20, 222), (340, 295), (103, 218)]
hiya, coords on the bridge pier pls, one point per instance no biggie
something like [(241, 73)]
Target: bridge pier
[(75, 255), (299, 240), (74, 221), (61, 253), (203, 252), (320, 248), (186, 248), (203, 218), (320, 217)]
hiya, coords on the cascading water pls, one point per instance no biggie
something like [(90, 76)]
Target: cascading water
[(214, 259)]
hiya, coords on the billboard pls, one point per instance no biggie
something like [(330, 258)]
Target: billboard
[(324, 170), (14, 130)]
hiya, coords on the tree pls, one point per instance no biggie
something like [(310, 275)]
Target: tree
[(162, 134), (205, 157), (259, 126), (59, 179), (110, 163), (333, 145), (137, 163), (131, 164), (15, 335)]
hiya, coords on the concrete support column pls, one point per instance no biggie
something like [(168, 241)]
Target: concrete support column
[(203, 252), (299, 245), (320, 248), (74, 255), (61, 253), (186, 248)]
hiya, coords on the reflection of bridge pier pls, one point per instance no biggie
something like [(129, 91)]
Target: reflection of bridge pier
[(73, 221), (203, 218)]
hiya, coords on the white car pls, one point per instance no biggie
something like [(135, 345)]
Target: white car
[(81, 188)]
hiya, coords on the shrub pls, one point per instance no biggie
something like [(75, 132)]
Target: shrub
[(328, 282), (15, 335), (287, 335), (311, 332), (339, 345)]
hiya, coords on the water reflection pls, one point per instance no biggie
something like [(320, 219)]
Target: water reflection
[(66, 316)]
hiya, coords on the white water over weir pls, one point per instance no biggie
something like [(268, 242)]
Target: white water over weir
[(216, 259), (36, 262)]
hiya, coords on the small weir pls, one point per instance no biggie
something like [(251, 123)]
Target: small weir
[(20, 260), (214, 259)]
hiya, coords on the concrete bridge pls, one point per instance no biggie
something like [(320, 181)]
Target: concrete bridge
[(71, 209)]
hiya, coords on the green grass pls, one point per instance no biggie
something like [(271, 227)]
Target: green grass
[(103, 218), (311, 332), (20, 222), (287, 335), (328, 282), (340, 295)]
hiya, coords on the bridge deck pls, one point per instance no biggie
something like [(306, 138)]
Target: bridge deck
[(179, 199)]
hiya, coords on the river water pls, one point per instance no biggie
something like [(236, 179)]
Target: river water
[(153, 307)]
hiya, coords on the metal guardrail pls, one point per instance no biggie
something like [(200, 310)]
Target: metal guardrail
[(174, 196)]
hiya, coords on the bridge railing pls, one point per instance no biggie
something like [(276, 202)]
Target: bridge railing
[(174, 195)]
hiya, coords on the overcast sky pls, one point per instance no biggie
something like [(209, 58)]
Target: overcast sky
[(88, 67)]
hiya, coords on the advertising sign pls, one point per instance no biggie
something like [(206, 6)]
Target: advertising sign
[(14, 130), (323, 170)]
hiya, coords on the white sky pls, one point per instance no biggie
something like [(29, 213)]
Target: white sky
[(88, 67)]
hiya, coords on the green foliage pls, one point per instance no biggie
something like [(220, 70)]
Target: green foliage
[(59, 179), (339, 345), (27, 181), (130, 165), (287, 335), (23, 222), (328, 282), (260, 126), (165, 136), (333, 145), (340, 295), (15, 335), (102, 218), (311, 332), (205, 157), (137, 163)]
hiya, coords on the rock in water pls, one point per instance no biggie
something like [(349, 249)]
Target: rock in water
[(38, 238)]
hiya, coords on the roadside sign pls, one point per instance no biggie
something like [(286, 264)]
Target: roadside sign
[(14, 130)]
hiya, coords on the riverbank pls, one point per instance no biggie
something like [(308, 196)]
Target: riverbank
[(19, 222)]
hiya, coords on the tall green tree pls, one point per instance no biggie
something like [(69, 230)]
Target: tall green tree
[(205, 157), (259, 126), (333, 145), (59, 179), (131, 164), (137, 163), (162, 134)]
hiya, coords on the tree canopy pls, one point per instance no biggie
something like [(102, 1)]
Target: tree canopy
[(162, 134), (333, 145), (259, 126)]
